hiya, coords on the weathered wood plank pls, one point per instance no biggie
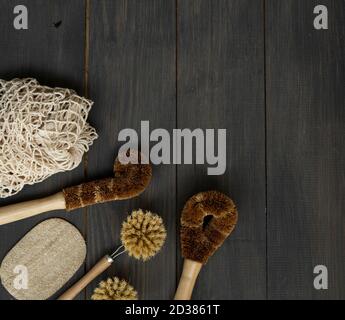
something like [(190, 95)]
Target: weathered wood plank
[(221, 85), (53, 55), (305, 145), (132, 78)]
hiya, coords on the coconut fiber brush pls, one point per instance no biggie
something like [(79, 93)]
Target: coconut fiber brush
[(129, 180), (142, 235), (208, 218)]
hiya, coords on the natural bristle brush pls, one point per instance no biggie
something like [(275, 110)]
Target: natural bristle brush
[(114, 289), (129, 181), (142, 235), (208, 218)]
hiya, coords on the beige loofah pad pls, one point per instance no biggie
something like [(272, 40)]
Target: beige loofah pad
[(51, 253)]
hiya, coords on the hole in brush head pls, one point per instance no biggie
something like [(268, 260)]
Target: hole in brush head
[(207, 220)]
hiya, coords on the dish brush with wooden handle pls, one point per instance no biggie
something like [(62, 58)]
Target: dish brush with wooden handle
[(142, 235), (208, 218), (129, 181), (114, 289)]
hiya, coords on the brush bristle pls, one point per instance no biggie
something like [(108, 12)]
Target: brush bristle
[(114, 289), (129, 181), (201, 237), (143, 234)]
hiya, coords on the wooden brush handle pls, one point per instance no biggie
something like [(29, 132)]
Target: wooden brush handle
[(23, 210), (189, 275), (99, 268)]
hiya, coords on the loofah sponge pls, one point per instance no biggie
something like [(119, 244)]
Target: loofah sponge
[(51, 253), (114, 289), (143, 234)]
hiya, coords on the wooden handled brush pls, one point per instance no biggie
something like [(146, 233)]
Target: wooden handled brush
[(129, 181), (114, 289), (207, 220), (142, 236)]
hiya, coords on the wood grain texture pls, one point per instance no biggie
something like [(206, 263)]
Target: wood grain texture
[(203, 64), (221, 85), (132, 78), (305, 145), (55, 57)]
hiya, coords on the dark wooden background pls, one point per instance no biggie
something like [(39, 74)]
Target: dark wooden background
[(257, 68)]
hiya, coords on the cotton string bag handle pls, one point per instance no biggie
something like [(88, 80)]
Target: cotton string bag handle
[(131, 177)]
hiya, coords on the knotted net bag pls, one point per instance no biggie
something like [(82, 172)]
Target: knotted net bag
[(43, 131)]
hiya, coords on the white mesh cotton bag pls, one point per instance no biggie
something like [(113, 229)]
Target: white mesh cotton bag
[(43, 131)]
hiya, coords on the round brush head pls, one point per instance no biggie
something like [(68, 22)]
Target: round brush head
[(208, 218), (114, 289), (143, 234), (132, 173)]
